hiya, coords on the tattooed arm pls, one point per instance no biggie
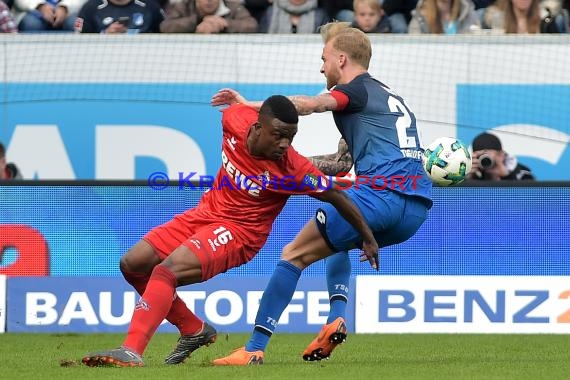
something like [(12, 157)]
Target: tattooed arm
[(335, 163), (304, 104), (307, 105)]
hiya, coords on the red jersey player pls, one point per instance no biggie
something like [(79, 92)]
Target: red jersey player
[(232, 221)]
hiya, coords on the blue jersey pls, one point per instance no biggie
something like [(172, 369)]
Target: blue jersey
[(382, 137)]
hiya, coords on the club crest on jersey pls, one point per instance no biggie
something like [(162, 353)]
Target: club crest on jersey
[(265, 177), (138, 19)]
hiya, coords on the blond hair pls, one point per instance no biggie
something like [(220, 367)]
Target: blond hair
[(352, 41), (373, 4)]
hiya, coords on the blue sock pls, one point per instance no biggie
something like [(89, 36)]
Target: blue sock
[(275, 299), (338, 276)]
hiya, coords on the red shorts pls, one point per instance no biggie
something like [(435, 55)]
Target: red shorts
[(219, 246)]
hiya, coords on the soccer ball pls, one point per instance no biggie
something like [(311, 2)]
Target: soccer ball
[(447, 161)]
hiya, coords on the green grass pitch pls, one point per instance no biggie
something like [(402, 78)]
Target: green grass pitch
[(369, 357)]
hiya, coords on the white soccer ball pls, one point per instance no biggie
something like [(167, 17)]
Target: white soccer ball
[(447, 161)]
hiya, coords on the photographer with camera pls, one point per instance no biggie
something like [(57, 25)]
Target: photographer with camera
[(8, 170), (492, 163)]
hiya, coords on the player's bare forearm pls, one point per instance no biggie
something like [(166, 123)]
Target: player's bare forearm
[(352, 214), (256, 105), (307, 105), (228, 96)]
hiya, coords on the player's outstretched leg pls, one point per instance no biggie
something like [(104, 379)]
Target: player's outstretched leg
[(330, 336), (119, 357), (190, 343)]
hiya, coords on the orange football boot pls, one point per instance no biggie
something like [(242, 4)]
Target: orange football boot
[(241, 357), (329, 337)]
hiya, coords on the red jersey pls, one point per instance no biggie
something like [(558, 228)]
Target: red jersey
[(250, 192)]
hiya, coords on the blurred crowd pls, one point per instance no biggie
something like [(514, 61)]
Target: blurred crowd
[(284, 16)]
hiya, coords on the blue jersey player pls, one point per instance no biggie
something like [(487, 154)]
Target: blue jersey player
[(393, 192)]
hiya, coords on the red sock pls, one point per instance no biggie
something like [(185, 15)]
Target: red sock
[(151, 309), (179, 315)]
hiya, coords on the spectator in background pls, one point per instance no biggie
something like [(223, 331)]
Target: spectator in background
[(8, 170), (556, 10), (370, 18), (480, 7), (47, 16), (7, 22), (339, 10), (519, 17), (492, 163), (119, 16), (444, 17), (208, 17), (565, 11), (399, 13), (480, 4), (257, 7), (293, 16)]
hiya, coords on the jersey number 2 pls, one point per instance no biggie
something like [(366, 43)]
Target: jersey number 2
[(402, 123)]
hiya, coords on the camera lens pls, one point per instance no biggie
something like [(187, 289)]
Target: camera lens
[(486, 161)]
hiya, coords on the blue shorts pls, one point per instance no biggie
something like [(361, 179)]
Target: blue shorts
[(392, 216)]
